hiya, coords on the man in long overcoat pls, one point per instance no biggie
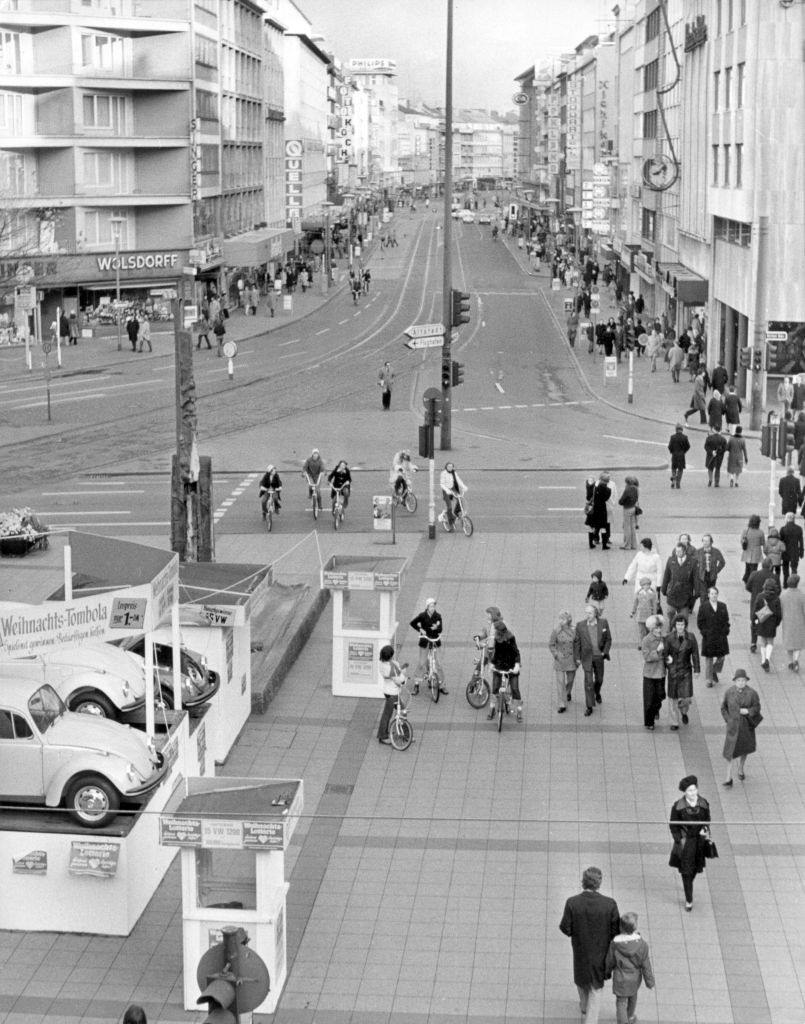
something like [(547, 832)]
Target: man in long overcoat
[(597, 520), (591, 921), (713, 621), (677, 446)]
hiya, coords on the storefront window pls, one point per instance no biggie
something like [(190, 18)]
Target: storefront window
[(227, 879), (361, 610)]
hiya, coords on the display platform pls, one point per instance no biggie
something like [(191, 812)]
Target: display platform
[(233, 834), (97, 881)]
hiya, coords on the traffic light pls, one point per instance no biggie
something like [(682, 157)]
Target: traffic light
[(457, 373), (771, 356), (426, 441), (233, 978), (447, 376), (785, 439), (459, 307), (745, 357), (768, 440), (757, 360), (433, 414)]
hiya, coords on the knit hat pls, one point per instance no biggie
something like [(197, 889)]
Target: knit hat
[(597, 574), (740, 674), (689, 780)]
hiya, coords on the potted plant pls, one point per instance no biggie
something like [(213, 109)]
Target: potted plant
[(20, 531)]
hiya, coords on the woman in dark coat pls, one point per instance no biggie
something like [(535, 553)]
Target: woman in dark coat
[(767, 616), (682, 659), (597, 519), (713, 621), (689, 826), (740, 709)]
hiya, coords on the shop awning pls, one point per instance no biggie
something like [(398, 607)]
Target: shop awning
[(685, 285), (254, 248)]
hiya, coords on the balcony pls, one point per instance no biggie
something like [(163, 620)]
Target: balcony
[(56, 196), (51, 140), (141, 17)]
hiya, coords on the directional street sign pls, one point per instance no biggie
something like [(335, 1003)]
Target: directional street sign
[(431, 342), (425, 330)]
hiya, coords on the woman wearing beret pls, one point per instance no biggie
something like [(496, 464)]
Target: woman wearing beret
[(740, 709), (690, 829)]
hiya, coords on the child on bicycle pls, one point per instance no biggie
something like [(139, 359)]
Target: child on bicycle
[(392, 679), (270, 487), (340, 479), (429, 625), (505, 658)]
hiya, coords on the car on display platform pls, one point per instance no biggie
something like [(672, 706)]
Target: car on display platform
[(95, 678), (53, 757), (199, 683)]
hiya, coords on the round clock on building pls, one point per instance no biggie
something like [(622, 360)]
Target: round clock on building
[(660, 172)]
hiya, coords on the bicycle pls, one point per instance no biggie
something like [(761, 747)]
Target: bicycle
[(401, 732), (478, 690), (338, 506), (460, 515), (431, 673), (406, 498), (504, 696), (315, 494), (268, 507)]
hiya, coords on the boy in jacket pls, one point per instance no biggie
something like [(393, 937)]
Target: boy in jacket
[(628, 964)]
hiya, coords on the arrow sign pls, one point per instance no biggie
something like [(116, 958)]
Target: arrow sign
[(431, 342), (425, 330)]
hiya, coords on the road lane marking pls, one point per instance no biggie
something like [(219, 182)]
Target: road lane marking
[(340, 322), (555, 487), (487, 408), (499, 386), (293, 341), (521, 407), (634, 440), (357, 314), (504, 407), (324, 330), (573, 508), (64, 494), (94, 512)]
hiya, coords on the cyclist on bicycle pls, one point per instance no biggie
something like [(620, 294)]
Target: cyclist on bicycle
[(270, 481), (339, 478), (401, 470), (452, 487), (505, 658), (312, 470), (429, 625)]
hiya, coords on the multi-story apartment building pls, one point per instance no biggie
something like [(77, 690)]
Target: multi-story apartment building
[(376, 77), (418, 140), (95, 112)]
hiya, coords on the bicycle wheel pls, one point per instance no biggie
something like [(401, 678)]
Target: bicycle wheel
[(268, 521), (501, 710), (433, 683), (410, 501), (315, 507), (466, 525), (445, 525), (336, 518), (477, 692), (401, 733)]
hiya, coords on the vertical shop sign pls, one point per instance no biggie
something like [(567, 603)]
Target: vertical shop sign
[(573, 126), (195, 160), (293, 182), (346, 125)]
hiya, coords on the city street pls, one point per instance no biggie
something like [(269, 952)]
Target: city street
[(427, 886)]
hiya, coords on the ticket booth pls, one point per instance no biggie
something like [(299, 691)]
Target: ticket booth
[(233, 834), (364, 592)]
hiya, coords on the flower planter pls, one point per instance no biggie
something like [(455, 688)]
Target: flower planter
[(14, 547)]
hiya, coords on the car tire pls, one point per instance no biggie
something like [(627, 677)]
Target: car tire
[(92, 703), (92, 801)]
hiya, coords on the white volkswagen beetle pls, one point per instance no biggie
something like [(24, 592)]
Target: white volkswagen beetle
[(50, 756), (95, 678)]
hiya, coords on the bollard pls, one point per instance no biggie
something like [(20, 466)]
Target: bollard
[(631, 377)]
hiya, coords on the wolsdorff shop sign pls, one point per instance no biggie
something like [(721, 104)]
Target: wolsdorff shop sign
[(89, 268), (139, 261)]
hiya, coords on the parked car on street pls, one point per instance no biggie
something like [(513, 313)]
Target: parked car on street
[(468, 216), (199, 683), (53, 757)]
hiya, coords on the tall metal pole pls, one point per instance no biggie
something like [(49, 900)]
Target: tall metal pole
[(446, 432), (117, 286)]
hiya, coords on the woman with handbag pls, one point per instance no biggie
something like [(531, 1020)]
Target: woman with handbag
[(740, 709), (767, 616), (752, 541), (689, 826), (629, 503)]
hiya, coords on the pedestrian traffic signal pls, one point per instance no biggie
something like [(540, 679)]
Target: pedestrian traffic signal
[(447, 376), (459, 307), (757, 360), (746, 357), (457, 373), (785, 439), (771, 356), (767, 440), (426, 441)]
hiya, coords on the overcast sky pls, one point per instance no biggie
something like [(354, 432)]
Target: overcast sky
[(494, 40)]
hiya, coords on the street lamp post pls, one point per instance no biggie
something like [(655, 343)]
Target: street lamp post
[(116, 223), (326, 261)]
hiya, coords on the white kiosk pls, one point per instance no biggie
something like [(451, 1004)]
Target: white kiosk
[(364, 594), (233, 834)]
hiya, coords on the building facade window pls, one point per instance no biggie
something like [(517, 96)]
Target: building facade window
[(206, 51), (732, 231), (650, 75), (653, 24), (648, 225), (739, 85), (10, 113), (99, 231), (742, 12), (718, 17), (102, 110), (739, 165), (649, 124), (102, 52), (104, 169), (715, 165), (12, 173), (10, 59), (206, 105), (729, 15), (727, 152), (727, 88), (716, 89)]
